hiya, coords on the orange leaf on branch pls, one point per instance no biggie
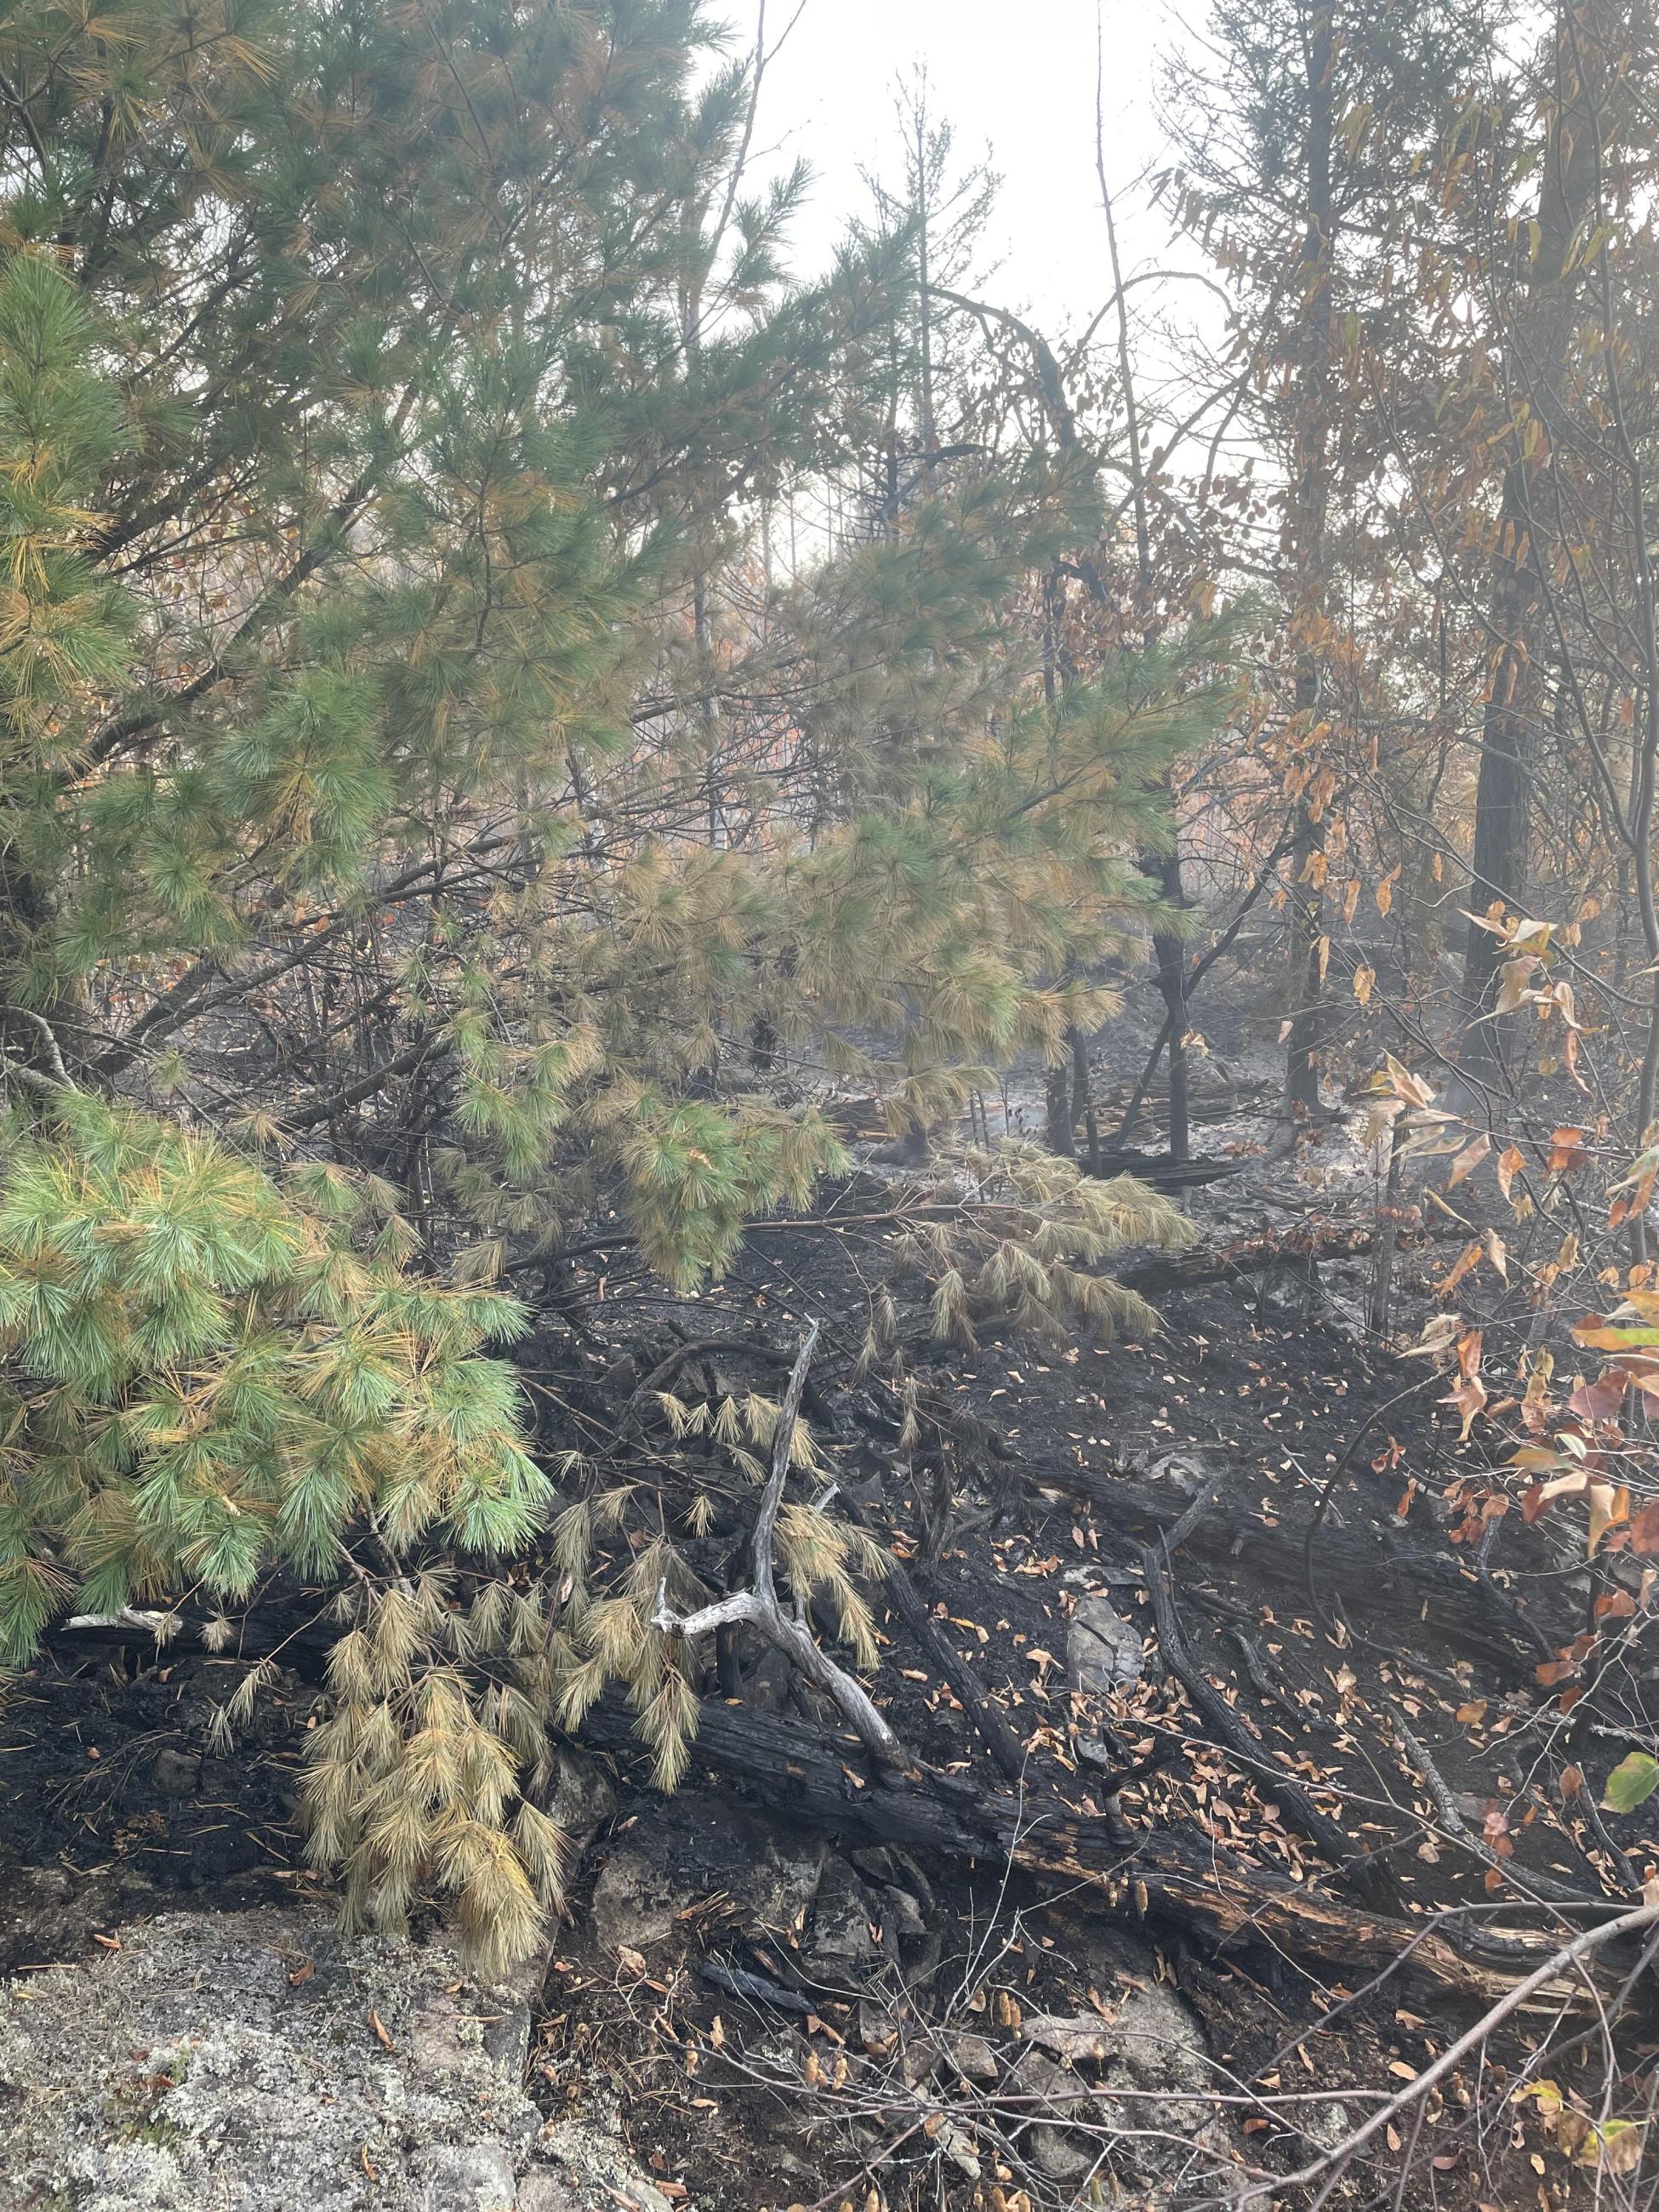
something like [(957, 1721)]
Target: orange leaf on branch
[(1567, 1152), (1469, 1398), (1466, 1259)]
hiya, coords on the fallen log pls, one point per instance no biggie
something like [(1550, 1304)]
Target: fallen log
[(271, 1631), (824, 1782), (1162, 1171), (1279, 1248)]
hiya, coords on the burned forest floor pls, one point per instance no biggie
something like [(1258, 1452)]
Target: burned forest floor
[(1234, 1796)]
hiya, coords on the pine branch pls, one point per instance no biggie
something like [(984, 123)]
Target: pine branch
[(323, 1106)]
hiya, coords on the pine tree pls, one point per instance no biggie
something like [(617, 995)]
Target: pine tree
[(408, 822)]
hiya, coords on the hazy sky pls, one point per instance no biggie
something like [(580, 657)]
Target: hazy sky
[(1020, 73)]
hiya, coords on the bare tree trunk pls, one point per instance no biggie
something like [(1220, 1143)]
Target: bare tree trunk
[(1057, 1099), (1518, 609), (1307, 521), (1171, 956), (1168, 951)]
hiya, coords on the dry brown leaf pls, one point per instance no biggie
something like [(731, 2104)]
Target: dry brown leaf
[(1468, 1159)]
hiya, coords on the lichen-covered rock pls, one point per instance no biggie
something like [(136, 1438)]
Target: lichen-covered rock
[(585, 2167), (257, 2061)]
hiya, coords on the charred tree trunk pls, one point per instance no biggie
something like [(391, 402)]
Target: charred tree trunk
[(1057, 1100), (1164, 868), (1306, 548), (1518, 611), (1171, 959)]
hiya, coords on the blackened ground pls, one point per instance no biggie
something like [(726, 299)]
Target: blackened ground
[(110, 1793), (107, 1779)]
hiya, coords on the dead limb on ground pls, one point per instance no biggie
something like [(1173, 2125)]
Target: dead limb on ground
[(822, 1782)]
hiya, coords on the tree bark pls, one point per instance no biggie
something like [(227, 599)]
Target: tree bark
[(1517, 618), (1168, 952), (1310, 503)]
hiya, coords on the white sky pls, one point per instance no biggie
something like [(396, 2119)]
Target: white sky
[(1020, 74)]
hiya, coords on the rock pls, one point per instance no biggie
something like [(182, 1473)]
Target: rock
[(506, 2034), (1288, 1290), (477, 2178), (957, 2146), (505, 2039), (841, 1919), (174, 1772), (1053, 2089), (1327, 2127), (435, 2043), (974, 2056), (1059, 2157), (1075, 2039), (1160, 2047), (546, 2192), (885, 1867), (542, 2191), (918, 2062), (906, 1913), (586, 2171), (1168, 2146), (657, 1870), (645, 2194), (582, 1799), (1344, 1316), (633, 1904), (230, 2059), (896, 1880), (1103, 1650), (1054, 2150), (1157, 2041)]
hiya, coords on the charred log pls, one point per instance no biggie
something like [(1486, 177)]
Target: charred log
[(1189, 1885)]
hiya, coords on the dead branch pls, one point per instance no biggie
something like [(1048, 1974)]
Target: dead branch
[(1527, 1878), (1558, 1965), (998, 1737), (1372, 1878), (1370, 1567), (758, 1607), (1255, 1255)]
